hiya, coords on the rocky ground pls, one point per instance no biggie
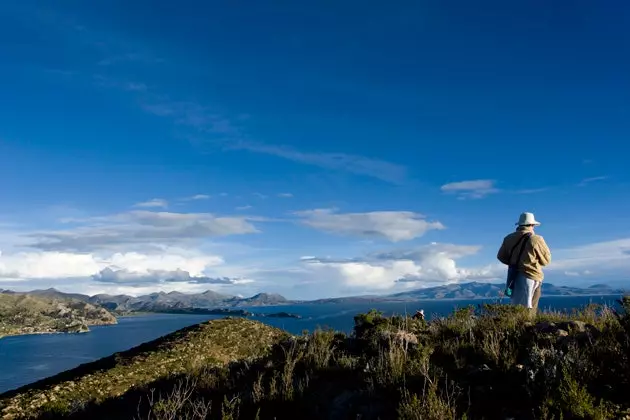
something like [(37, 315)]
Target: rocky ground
[(24, 314)]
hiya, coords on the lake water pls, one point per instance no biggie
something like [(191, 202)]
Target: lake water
[(25, 359)]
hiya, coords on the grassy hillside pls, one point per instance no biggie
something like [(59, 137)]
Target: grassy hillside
[(191, 349), (488, 362), (28, 314)]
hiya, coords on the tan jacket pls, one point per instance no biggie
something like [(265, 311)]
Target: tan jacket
[(535, 256)]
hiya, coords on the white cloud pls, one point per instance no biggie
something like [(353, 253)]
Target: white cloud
[(285, 195), (24, 265), (360, 165), (141, 229), (391, 225), (532, 190), (156, 202), (168, 259), (52, 265), (432, 264), (587, 181), (451, 251), (577, 273), (478, 188), (132, 273), (199, 197), (125, 276), (600, 256), (260, 195), (247, 207), (134, 252)]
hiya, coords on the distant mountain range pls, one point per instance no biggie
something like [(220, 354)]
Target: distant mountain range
[(167, 302), (476, 290), (162, 302), (473, 290)]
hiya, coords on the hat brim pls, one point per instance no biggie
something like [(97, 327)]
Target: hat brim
[(527, 224)]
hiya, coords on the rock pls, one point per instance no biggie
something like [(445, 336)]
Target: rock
[(577, 326), (561, 333), (280, 315), (474, 370), (546, 327)]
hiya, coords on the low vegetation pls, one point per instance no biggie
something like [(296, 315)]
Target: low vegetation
[(484, 362), (26, 314)]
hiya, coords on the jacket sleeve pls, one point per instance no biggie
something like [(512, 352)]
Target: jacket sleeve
[(502, 255), (542, 251)]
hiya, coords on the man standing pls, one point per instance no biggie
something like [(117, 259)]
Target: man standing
[(525, 253)]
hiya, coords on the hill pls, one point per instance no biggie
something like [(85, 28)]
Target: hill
[(262, 299), (484, 362), (190, 349), (56, 294), (37, 314)]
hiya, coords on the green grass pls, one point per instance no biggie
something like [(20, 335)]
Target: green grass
[(481, 362)]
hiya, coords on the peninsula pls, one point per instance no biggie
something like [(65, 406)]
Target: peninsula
[(22, 314)]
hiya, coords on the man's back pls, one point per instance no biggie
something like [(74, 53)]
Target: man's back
[(535, 255)]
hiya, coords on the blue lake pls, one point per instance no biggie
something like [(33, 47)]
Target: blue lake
[(25, 359)]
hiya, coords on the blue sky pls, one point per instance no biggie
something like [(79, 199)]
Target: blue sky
[(309, 150)]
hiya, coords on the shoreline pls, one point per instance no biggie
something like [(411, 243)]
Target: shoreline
[(296, 316), (43, 333), (18, 334)]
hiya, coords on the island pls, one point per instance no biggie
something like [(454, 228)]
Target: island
[(279, 315), (205, 311), (22, 314), (227, 312)]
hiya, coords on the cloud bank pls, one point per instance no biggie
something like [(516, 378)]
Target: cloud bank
[(407, 268), (143, 251)]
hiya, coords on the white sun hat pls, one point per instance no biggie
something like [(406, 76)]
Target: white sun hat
[(527, 219)]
